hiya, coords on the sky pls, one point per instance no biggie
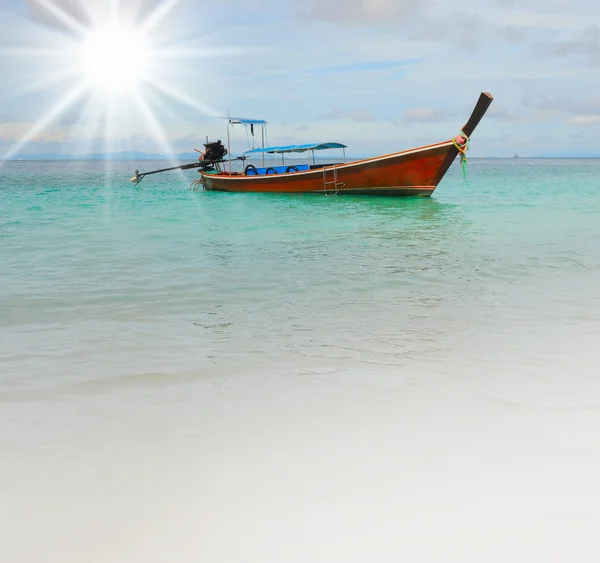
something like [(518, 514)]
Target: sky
[(377, 75)]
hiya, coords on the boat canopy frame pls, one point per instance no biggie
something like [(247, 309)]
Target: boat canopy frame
[(264, 149), (249, 128)]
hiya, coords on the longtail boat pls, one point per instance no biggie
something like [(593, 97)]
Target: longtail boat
[(416, 171)]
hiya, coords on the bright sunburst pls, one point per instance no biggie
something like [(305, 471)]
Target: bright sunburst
[(108, 61), (115, 58)]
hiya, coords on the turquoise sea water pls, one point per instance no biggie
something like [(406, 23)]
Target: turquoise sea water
[(103, 275), (299, 363)]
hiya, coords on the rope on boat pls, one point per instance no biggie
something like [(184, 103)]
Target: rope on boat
[(196, 184), (461, 142)]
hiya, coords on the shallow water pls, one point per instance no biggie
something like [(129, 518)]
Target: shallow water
[(237, 377)]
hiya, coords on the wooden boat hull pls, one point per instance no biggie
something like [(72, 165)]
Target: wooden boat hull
[(414, 172)]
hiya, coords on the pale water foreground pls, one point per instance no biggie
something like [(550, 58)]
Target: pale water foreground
[(210, 377)]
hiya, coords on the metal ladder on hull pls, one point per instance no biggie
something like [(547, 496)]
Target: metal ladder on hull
[(333, 183)]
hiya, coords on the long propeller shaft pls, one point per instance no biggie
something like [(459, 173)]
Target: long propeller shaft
[(139, 176)]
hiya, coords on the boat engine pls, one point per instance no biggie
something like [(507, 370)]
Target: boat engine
[(215, 152)]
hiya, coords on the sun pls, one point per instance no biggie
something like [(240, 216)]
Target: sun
[(108, 60), (114, 58)]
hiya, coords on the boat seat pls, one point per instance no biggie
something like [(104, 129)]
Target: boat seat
[(282, 169)]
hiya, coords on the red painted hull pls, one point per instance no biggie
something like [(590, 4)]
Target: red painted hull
[(407, 173), (415, 172)]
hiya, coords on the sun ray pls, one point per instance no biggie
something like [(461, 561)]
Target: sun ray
[(57, 109), (46, 82), (63, 17), (195, 53), (109, 127), (146, 111), (180, 96), (108, 52), (33, 51), (90, 9), (157, 15), (85, 130)]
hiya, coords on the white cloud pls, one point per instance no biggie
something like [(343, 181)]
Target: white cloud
[(585, 44), (584, 120), (361, 12), (359, 115), (431, 115)]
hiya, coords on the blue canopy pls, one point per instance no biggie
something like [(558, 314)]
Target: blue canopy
[(297, 148), (245, 120)]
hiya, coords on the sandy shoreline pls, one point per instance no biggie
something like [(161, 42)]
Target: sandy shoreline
[(366, 465)]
